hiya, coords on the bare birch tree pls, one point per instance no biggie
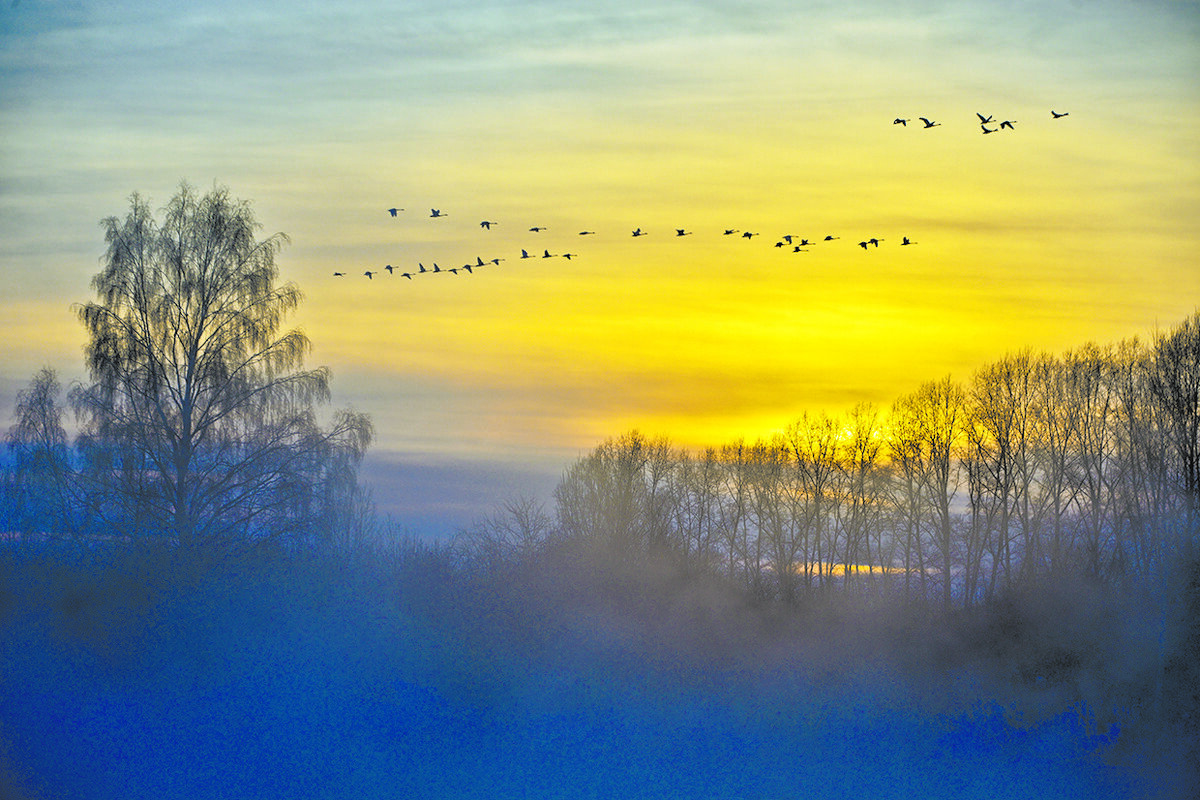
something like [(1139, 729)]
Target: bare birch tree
[(201, 403), (935, 419), (1175, 385)]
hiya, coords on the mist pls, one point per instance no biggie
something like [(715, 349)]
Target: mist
[(408, 671)]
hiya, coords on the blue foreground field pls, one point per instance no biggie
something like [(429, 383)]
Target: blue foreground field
[(405, 677)]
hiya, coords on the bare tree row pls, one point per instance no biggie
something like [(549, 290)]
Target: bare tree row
[(1088, 462)]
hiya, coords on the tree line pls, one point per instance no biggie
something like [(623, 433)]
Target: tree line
[(1038, 465)]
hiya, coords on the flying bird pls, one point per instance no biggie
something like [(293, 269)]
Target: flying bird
[(437, 213), (436, 268), (875, 241), (831, 238), (525, 254), (986, 129), (467, 267), (639, 232), (906, 240), (422, 266), (479, 262), (370, 275), (982, 119), (393, 211), (1057, 115), (339, 274), (487, 223), (729, 231), (748, 234), (497, 261), (899, 121), (863, 245), (568, 256), (1008, 123), (546, 254), (389, 269), (586, 233), (797, 249), (928, 123), (538, 228), (682, 232), (406, 275)]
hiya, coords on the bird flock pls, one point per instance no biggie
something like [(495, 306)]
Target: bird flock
[(984, 121), (786, 242)]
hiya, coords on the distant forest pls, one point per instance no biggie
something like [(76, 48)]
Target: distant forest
[(1039, 465)]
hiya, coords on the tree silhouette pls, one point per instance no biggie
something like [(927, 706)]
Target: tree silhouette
[(935, 415), (38, 484), (1175, 386), (199, 419)]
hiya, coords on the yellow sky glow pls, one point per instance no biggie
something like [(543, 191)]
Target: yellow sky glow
[(769, 118)]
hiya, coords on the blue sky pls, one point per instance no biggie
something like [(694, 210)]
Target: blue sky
[(771, 116)]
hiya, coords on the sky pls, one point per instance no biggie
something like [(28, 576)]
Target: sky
[(773, 118)]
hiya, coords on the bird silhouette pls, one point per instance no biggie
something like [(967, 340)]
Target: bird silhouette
[(1057, 115), (546, 254), (805, 242), (497, 261), (568, 256), (928, 123), (875, 241), (538, 228), (436, 268), (370, 275), (467, 267), (488, 224), (422, 266), (899, 121), (1008, 123), (982, 119), (986, 129), (682, 232), (389, 269), (906, 240), (406, 275), (437, 213), (787, 238), (339, 274), (729, 231), (393, 211), (452, 271), (831, 238), (586, 233), (780, 244), (748, 234), (798, 249), (525, 254), (639, 232), (863, 245)]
